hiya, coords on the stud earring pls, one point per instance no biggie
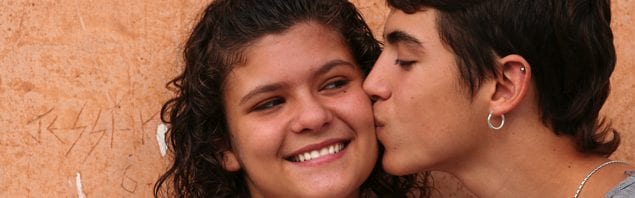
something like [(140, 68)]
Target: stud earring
[(522, 69)]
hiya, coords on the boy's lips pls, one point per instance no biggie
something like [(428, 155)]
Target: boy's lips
[(379, 123)]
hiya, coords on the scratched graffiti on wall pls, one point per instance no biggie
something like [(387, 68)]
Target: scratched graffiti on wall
[(46, 122)]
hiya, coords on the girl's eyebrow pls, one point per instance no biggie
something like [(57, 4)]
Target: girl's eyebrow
[(325, 68), (261, 89), (328, 66)]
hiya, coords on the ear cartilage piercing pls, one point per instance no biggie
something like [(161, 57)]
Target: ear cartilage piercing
[(522, 69)]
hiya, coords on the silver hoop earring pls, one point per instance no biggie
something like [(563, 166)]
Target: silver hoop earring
[(491, 126)]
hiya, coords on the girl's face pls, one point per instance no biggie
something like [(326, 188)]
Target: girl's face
[(301, 125)]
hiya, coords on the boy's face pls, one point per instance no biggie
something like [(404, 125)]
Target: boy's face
[(424, 116)]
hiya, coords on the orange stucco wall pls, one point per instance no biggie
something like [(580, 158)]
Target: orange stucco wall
[(82, 82)]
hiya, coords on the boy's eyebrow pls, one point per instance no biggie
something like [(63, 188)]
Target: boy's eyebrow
[(398, 36)]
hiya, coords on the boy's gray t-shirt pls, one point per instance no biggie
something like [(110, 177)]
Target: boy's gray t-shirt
[(626, 189)]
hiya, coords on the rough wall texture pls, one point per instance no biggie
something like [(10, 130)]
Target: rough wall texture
[(82, 82)]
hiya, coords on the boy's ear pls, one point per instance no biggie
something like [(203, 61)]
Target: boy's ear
[(511, 85), (230, 161)]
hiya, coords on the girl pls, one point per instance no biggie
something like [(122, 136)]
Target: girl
[(270, 104)]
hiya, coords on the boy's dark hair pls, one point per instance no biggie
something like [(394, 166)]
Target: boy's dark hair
[(568, 43)]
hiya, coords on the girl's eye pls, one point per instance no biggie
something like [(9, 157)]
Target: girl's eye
[(405, 64), (269, 104), (335, 84)]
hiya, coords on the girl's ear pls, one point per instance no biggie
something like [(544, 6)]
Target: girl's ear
[(230, 161), (512, 85)]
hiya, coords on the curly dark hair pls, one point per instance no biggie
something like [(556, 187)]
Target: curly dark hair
[(569, 44), (198, 133)]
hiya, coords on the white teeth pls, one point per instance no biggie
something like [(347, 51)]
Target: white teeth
[(324, 151), (307, 156), (314, 154)]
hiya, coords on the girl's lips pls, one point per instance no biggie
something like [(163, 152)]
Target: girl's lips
[(323, 159), (318, 150), (319, 153)]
